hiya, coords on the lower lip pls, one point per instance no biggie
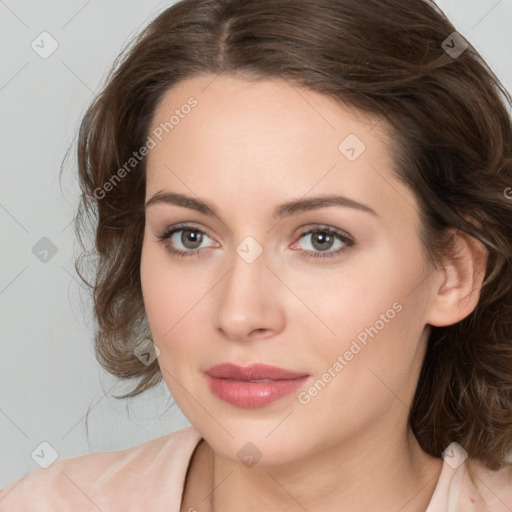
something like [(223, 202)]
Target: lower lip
[(253, 394)]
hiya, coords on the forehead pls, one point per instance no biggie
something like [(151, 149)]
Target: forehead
[(237, 107), (248, 138)]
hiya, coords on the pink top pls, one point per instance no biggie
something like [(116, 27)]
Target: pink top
[(151, 476)]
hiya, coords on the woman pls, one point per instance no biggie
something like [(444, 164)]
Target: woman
[(303, 213)]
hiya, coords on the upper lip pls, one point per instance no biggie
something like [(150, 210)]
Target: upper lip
[(251, 372)]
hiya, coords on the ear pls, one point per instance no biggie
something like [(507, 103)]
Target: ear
[(459, 281)]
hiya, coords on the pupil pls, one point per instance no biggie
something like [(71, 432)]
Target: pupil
[(191, 236), (323, 239)]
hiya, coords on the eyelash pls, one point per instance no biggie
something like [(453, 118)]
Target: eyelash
[(348, 241)]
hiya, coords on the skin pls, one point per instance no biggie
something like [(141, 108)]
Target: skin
[(246, 148)]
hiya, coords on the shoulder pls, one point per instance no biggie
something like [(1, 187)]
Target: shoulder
[(152, 472), (492, 489), (470, 485)]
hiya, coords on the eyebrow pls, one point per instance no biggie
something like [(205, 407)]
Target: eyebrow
[(283, 210)]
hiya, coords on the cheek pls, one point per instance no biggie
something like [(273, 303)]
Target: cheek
[(365, 293), (172, 300), (170, 291), (165, 305), (361, 378), (155, 289), (374, 313)]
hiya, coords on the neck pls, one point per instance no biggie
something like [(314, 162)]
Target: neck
[(366, 474)]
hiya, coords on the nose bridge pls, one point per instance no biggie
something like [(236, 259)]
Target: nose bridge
[(246, 303)]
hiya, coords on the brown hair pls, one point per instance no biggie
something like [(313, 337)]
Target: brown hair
[(452, 147)]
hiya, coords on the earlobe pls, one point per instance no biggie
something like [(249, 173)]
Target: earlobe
[(460, 280)]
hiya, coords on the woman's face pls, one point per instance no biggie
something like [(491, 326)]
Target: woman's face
[(259, 282)]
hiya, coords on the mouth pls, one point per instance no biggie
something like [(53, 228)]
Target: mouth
[(252, 386)]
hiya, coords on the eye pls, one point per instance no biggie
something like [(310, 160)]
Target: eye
[(322, 239), (188, 236)]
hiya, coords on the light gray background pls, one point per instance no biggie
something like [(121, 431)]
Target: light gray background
[(49, 378)]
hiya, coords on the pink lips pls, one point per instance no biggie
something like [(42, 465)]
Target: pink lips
[(235, 384)]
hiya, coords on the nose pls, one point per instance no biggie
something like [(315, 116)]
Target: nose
[(248, 301)]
